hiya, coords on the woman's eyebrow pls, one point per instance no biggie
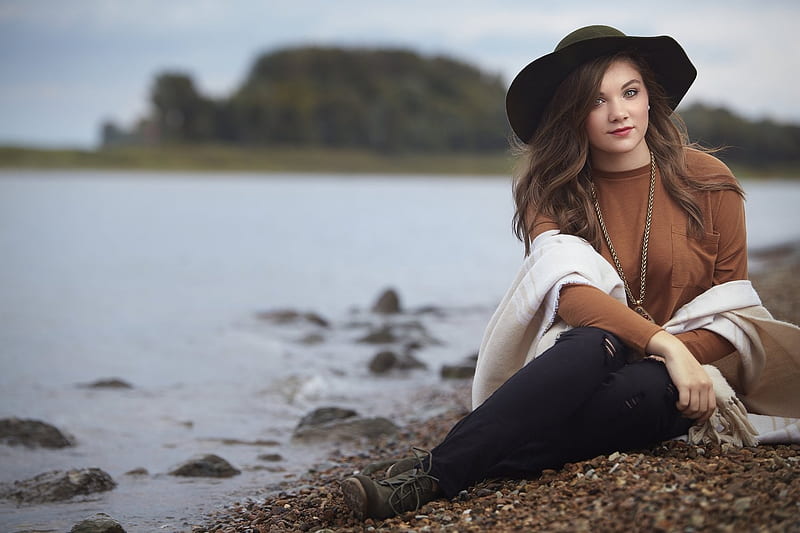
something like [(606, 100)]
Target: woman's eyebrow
[(624, 85)]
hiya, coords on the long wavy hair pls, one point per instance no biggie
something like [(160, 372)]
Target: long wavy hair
[(553, 173)]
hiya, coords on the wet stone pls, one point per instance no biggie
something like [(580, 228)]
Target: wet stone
[(58, 485), (209, 465), (381, 335), (99, 523), (386, 361), (457, 371), (32, 433), (290, 316), (351, 429), (387, 303), (324, 415), (108, 383)]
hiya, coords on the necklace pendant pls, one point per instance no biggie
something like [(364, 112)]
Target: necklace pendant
[(642, 311)]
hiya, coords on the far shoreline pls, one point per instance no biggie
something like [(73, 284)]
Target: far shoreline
[(290, 160)]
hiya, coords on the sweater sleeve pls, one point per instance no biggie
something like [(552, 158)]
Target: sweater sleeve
[(730, 265), (584, 305), (728, 220), (706, 346)]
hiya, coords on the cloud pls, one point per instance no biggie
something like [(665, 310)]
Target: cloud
[(745, 51)]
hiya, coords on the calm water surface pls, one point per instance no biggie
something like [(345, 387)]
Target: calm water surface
[(156, 279)]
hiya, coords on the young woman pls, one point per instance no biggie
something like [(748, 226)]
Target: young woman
[(623, 225)]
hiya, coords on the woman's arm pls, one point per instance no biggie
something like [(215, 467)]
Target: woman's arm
[(584, 305)]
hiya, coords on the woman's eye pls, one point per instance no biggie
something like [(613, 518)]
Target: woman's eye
[(631, 93), (598, 101)]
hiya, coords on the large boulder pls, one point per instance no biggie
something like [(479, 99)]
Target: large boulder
[(99, 523), (58, 485), (209, 465), (388, 303), (32, 433)]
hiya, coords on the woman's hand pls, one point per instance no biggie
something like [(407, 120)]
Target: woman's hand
[(696, 397)]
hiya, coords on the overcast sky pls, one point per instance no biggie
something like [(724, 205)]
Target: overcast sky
[(65, 66)]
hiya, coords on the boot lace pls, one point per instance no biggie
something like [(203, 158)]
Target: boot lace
[(415, 485)]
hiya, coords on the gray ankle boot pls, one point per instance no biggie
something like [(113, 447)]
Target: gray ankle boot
[(408, 463), (401, 493)]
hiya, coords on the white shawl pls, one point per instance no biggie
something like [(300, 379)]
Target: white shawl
[(525, 324)]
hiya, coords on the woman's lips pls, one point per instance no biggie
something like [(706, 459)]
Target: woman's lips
[(621, 132)]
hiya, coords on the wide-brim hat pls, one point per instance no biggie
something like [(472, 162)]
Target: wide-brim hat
[(533, 87)]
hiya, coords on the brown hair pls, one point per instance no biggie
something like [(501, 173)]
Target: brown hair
[(553, 174)]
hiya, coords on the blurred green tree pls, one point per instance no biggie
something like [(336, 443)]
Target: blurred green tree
[(182, 114)]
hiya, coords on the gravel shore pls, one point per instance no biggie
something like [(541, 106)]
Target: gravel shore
[(672, 486)]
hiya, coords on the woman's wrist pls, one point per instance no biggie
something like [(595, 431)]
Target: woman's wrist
[(664, 345)]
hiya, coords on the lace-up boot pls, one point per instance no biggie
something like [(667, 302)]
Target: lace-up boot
[(408, 463), (401, 493)]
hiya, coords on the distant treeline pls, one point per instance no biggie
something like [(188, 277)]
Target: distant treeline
[(390, 101), (384, 100)]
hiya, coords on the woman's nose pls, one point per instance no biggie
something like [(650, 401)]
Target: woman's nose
[(617, 111)]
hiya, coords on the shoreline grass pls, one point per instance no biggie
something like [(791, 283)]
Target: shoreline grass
[(226, 158), (238, 159)]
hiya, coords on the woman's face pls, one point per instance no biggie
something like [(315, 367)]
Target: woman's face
[(618, 120)]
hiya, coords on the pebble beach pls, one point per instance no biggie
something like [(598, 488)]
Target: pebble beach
[(672, 486)]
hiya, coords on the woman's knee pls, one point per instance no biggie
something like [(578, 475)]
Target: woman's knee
[(641, 390)]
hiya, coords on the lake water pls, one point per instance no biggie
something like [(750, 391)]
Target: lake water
[(157, 279)]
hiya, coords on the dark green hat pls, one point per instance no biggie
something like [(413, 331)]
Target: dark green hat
[(532, 89)]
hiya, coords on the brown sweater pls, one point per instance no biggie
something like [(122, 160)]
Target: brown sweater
[(679, 267)]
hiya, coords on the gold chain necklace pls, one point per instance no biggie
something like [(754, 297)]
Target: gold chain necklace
[(638, 305)]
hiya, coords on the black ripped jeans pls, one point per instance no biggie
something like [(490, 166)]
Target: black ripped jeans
[(577, 400)]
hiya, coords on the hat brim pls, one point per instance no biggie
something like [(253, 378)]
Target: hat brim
[(532, 89)]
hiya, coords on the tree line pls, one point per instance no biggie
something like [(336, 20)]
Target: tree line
[(384, 100), (388, 100)]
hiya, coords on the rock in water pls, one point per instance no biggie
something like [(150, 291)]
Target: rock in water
[(58, 485), (32, 433), (351, 429), (324, 415), (382, 362), (386, 360), (388, 303), (99, 523), (108, 383), (382, 335), (289, 316), (463, 370), (409, 362), (209, 465), (457, 371)]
